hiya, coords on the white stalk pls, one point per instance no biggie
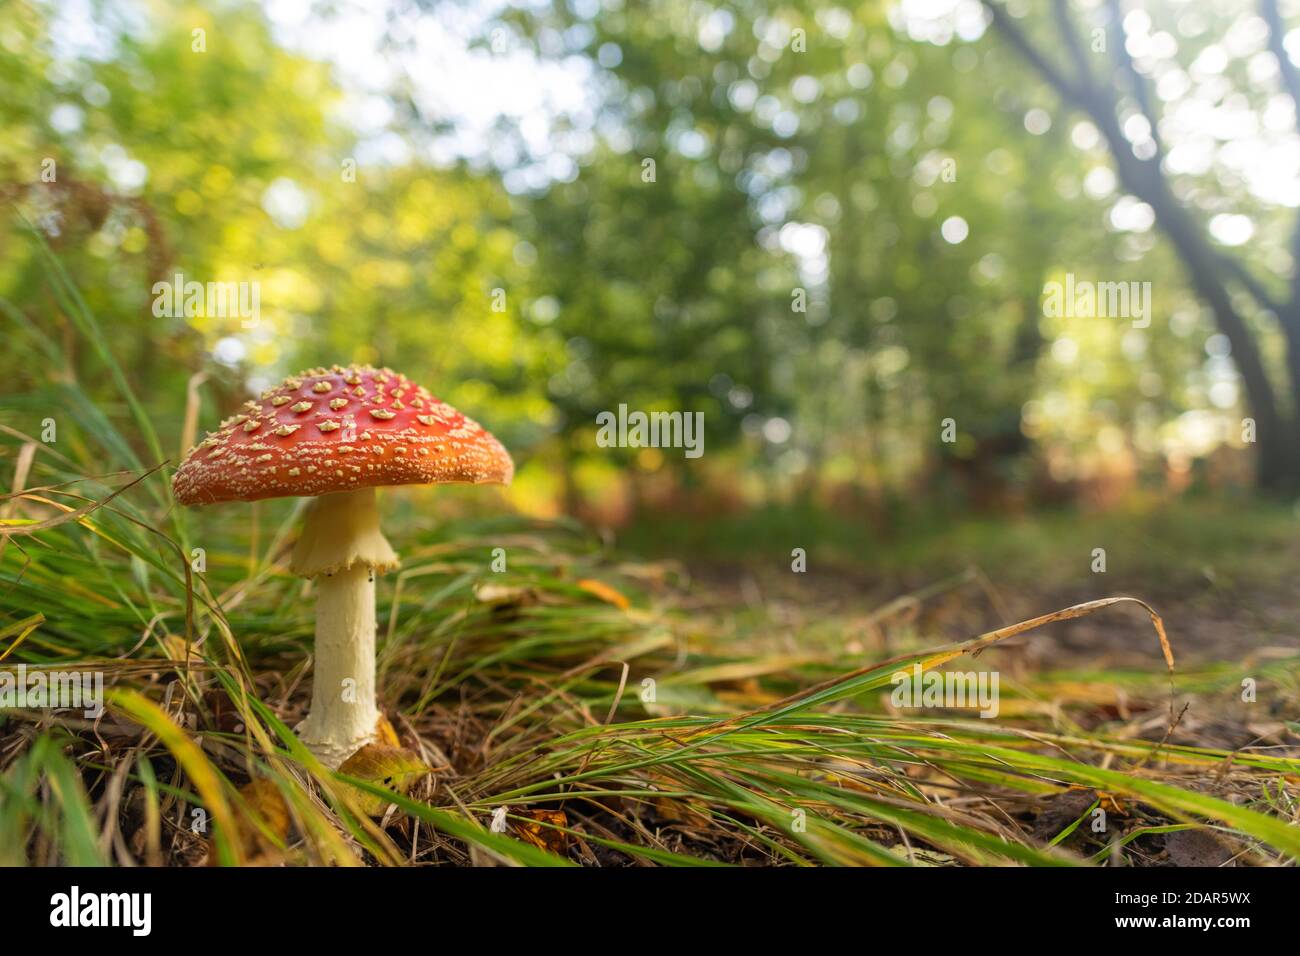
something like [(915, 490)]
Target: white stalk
[(343, 714), (341, 547)]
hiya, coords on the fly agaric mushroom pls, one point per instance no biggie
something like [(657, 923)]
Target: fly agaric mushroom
[(337, 434)]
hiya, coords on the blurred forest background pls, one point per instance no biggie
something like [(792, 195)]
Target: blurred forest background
[(827, 227)]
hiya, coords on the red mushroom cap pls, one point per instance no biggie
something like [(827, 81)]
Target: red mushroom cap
[(339, 429)]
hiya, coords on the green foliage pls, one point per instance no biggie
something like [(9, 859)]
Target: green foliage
[(783, 259)]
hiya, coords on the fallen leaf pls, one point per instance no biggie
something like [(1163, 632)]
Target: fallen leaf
[(606, 593), (263, 844), (264, 797), (540, 830), (393, 768), (386, 734)]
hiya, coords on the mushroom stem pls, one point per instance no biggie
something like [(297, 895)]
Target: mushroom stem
[(341, 547), (343, 714)]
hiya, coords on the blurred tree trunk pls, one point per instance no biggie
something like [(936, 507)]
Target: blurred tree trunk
[(570, 495), (1209, 271)]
